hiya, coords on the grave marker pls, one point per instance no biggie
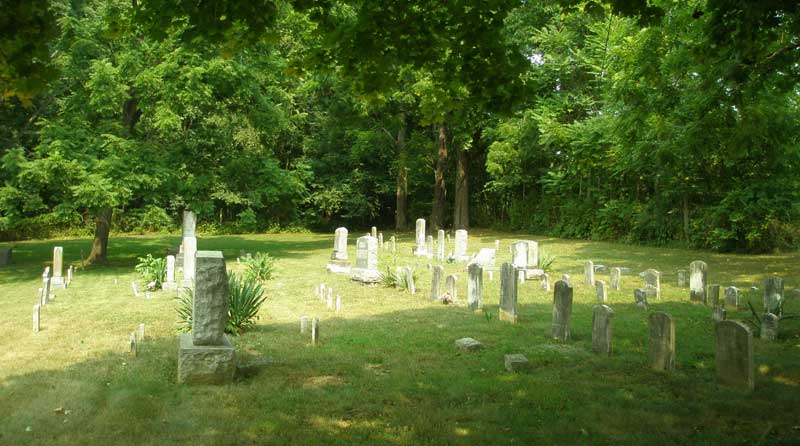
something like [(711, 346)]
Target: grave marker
[(436, 282), (562, 310), (662, 341), (732, 297), (601, 329), (734, 355), (508, 293), (475, 286), (57, 281), (769, 327), (601, 290), (773, 295), (450, 286), (36, 314), (616, 279), (698, 274), (588, 273)]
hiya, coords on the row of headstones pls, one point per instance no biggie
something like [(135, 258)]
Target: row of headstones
[(50, 283), (333, 303), (423, 246)]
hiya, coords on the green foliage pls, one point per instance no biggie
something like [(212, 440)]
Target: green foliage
[(246, 297), (260, 267), (183, 307), (546, 261), (153, 271), (391, 279)]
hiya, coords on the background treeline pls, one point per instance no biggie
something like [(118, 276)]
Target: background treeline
[(674, 123)]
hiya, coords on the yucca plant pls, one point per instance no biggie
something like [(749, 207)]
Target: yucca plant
[(184, 309), (546, 261), (260, 267), (390, 279), (153, 271)]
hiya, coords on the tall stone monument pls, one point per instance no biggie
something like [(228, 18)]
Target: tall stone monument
[(773, 295), (338, 262), (57, 280), (588, 273), (460, 251), (440, 245), (420, 247)]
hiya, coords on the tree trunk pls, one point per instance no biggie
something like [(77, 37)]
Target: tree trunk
[(439, 190), (461, 201), (102, 226), (401, 209)]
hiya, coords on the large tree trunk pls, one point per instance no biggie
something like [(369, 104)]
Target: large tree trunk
[(102, 226), (401, 209), (461, 201), (439, 190)]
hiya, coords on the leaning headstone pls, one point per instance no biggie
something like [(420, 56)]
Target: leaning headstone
[(338, 262), (508, 293), (734, 357), (616, 279), (682, 278), (412, 287), (374, 232), (713, 295), (420, 248), (698, 275), (601, 329), (732, 297), (5, 255), (475, 286), (366, 269), (662, 341), (640, 298), (440, 245), (718, 313), (169, 282), (769, 327), (303, 323), (436, 282), (652, 283), (602, 291), (189, 254), (135, 289), (460, 250), (588, 273), (516, 362), (468, 344), (450, 286), (562, 310), (773, 295), (314, 331), (206, 354), (36, 314), (57, 281)]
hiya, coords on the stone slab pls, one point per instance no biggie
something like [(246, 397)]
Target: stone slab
[(468, 344), (517, 362), (205, 364)]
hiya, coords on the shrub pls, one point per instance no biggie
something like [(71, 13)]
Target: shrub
[(260, 267), (546, 261), (153, 271)]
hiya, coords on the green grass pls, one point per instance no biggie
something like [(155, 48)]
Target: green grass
[(387, 372)]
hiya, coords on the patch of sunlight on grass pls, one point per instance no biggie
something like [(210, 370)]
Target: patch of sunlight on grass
[(461, 431), (322, 381), (786, 381), (763, 369)]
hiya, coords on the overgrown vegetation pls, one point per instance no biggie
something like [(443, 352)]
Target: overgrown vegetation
[(153, 270), (260, 267)]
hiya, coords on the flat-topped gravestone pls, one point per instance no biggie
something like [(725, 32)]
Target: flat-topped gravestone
[(734, 355), (508, 293), (436, 282), (206, 355), (57, 281), (616, 281), (652, 283), (601, 290), (562, 310), (450, 286), (420, 248), (683, 278), (516, 362), (712, 294), (588, 273), (769, 327), (773, 295), (732, 297), (601, 329), (662, 341), (468, 344), (366, 269), (338, 262), (474, 286), (141, 332), (169, 281), (698, 275), (440, 245)]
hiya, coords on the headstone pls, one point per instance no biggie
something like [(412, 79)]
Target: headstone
[(516, 362), (206, 354), (485, 258), (475, 286), (314, 331), (57, 281), (330, 298), (562, 310), (640, 298), (732, 297), (698, 275), (189, 224), (429, 246), (602, 291), (45, 291), (565, 277), (380, 240), (374, 232), (366, 269), (169, 282), (662, 341), (46, 272), (5, 255), (133, 347), (616, 279), (734, 357), (652, 283), (189, 254), (521, 276), (36, 314), (718, 313), (460, 251), (436, 282), (533, 254), (497, 245), (773, 295), (491, 275), (546, 282), (450, 286), (338, 303), (588, 273), (440, 245), (682, 278), (303, 323), (519, 250), (769, 327), (338, 262), (393, 241), (420, 248), (601, 329), (69, 275), (712, 294), (468, 344), (141, 332), (135, 289), (412, 287), (508, 293)]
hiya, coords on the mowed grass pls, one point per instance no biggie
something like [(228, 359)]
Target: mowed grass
[(387, 372)]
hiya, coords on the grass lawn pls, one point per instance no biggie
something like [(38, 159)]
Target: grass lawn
[(387, 372)]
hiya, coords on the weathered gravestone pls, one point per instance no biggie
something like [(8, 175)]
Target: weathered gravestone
[(169, 281), (588, 273), (429, 246), (366, 269), (134, 288), (440, 245), (516, 362), (682, 278), (420, 248), (601, 329), (718, 313), (339, 303), (732, 297), (133, 346), (652, 283), (698, 275), (546, 282), (45, 291), (412, 287), (338, 262), (734, 355), (602, 291), (393, 242), (450, 286), (562, 310), (314, 331), (769, 327), (508, 293), (141, 332), (380, 240), (640, 298), (36, 314), (436, 282), (206, 355), (662, 341), (616, 279), (468, 344), (474, 286), (712, 294), (69, 275), (519, 254), (773, 295), (57, 281), (460, 250), (5, 255), (374, 232), (303, 323)]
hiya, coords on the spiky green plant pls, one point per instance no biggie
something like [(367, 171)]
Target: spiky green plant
[(260, 267), (153, 270)]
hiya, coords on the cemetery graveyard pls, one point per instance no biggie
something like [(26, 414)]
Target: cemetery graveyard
[(337, 356)]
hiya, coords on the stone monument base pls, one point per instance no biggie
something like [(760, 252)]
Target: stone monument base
[(57, 283), (169, 286), (534, 273), (421, 251), (187, 283), (338, 266), (508, 317), (207, 364), (366, 275)]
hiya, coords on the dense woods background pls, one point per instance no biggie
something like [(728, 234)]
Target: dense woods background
[(653, 122)]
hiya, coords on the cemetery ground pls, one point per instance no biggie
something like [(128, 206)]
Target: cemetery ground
[(387, 371)]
